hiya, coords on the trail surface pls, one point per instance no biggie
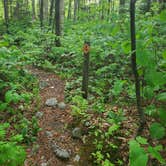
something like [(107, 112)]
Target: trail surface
[(53, 123)]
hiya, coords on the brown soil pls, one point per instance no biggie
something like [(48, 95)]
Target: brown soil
[(56, 121)]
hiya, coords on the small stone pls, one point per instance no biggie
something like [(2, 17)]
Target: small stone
[(87, 124), (49, 134), (44, 164), (42, 157), (35, 148), (77, 158), (43, 84), (77, 133), (21, 107), (39, 114), (60, 153), (61, 105), (52, 102)]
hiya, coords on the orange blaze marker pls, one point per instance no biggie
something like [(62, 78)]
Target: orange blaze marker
[(86, 48)]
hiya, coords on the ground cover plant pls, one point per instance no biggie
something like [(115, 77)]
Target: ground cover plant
[(123, 119)]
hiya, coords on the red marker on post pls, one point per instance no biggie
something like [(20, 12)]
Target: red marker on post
[(86, 50)]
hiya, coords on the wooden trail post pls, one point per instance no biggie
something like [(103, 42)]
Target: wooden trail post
[(86, 50)]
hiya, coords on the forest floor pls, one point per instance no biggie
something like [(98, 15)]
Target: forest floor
[(57, 125), (54, 128)]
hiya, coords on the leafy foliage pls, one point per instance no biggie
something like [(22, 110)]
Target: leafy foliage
[(11, 154), (110, 77), (139, 154), (157, 131)]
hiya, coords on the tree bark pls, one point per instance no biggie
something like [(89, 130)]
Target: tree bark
[(17, 10), (134, 66), (121, 6), (108, 10), (51, 12), (6, 14), (11, 8), (148, 5), (41, 13), (69, 10), (75, 9), (45, 8), (33, 10), (59, 17)]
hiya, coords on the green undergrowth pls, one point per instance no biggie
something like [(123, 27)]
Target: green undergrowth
[(110, 83), (19, 99), (110, 79)]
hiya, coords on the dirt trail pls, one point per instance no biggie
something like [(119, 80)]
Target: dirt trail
[(55, 121)]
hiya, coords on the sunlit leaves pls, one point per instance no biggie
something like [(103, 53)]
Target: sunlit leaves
[(137, 154), (157, 131), (161, 96), (154, 152)]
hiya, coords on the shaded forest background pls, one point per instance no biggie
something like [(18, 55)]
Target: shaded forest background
[(126, 95)]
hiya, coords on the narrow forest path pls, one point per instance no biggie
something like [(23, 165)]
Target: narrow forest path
[(54, 134)]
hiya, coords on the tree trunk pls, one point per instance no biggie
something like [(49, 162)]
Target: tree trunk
[(75, 9), (41, 13), (27, 5), (10, 8), (148, 5), (69, 10), (101, 3), (108, 10), (121, 6), (45, 8), (33, 10), (17, 10), (51, 12), (6, 14), (134, 66), (59, 17)]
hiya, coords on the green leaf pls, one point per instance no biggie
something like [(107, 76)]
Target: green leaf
[(3, 128), (142, 140), (155, 154), (16, 138), (137, 156), (151, 110), (3, 106), (118, 87), (148, 92), (4, 51), (12, 96), (162, 115), (162, 16), (164, 54), (155, 78), (112, 129), (161, 96), (157, 131)]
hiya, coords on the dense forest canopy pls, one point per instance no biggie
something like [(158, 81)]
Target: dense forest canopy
[(83, 82)]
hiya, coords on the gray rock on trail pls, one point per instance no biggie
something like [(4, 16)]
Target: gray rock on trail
[(44, 164), (60, 153), (87, 124), (77, 133), (39, 114), (52, 102), (77, 158), (49, 134), (62, 105), (43, 84), (35, 149)]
